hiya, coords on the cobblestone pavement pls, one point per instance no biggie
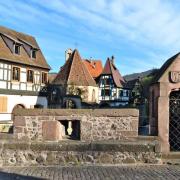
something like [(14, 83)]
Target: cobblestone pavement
[(154, 172)]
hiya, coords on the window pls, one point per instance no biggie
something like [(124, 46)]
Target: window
[(114, 94), (44, 78), (102, 92), (107, 92), (16, 74), (127, 93), (33, 53), (107, 81), (30, 76), (17, 49), (121, 93)]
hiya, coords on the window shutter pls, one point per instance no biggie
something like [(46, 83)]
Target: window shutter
[(3, 104)]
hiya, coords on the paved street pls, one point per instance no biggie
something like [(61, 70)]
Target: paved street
[(92, 172)]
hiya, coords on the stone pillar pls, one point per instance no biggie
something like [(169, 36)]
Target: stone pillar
[(163, 123), (153, 110)]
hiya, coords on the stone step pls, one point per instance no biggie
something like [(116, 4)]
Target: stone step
[(171, 158)]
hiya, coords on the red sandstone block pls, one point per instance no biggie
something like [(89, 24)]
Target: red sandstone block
[(19, 121), (51, 131)]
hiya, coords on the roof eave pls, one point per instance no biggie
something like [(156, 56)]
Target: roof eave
[(10, 61)]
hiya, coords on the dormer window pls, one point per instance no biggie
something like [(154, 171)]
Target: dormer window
[(17, 49), (33, 53)]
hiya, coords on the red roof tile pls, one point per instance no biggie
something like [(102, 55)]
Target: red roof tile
[(94, 67)]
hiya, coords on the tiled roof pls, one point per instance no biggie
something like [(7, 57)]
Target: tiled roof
[(94, 67), (110, 69), (74, 72), (7, 55)]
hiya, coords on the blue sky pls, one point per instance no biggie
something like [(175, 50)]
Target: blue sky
[(140, 34)]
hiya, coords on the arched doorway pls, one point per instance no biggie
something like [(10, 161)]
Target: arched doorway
[(174, 121)]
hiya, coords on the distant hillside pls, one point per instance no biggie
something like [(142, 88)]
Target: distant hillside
[(133, 76)]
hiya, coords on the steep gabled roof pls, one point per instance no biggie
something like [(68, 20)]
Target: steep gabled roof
[(164, 67), (110, 69), (94, 67), (6, 53), (74, 72)]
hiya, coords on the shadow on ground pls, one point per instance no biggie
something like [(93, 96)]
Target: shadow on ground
[(12, 176)]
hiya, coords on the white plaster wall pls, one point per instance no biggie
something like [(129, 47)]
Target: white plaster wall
[(2, 84), (23, 77), (27, 101), (29, 87), (1, 73), (23, 86), (5, 74), (15, 85), (5, 116), (9, 78)]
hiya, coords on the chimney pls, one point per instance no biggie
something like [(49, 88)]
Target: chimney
[(68, 53), (112, 59)]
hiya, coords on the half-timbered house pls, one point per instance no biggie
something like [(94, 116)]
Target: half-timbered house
[(23, 72), (112, 86)]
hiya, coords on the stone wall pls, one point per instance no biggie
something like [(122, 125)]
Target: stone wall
[(95, 125), (79, 153)]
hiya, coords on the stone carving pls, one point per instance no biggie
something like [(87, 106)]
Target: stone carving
[(175, 76)]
